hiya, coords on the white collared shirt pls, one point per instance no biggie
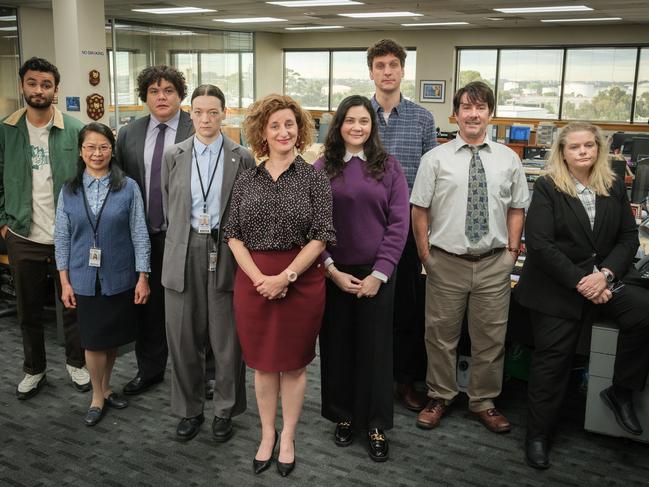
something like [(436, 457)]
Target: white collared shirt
[(441, 186), (348, 155)]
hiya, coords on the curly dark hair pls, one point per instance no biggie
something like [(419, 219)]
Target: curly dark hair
[(116, 179), (42, 65), (334, 151), (154, 74), (383, 48), (476, 91)]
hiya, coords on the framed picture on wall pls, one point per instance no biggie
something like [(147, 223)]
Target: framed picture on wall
[(432, 91)]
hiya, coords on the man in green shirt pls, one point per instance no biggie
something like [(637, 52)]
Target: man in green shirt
[(38, 153)]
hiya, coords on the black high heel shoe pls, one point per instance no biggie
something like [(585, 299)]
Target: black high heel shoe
[(285, 469), (259, 466)]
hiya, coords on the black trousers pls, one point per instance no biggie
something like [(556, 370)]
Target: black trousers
[(356, 355), (151, 342), (409, 303), (31, 264), (555, 342)]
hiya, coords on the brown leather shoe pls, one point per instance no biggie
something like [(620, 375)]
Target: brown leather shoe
[(410, 398), (429, 417), (494, 421)]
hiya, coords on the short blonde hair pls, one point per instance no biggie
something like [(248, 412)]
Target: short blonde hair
[(601, 174), (259, 112)]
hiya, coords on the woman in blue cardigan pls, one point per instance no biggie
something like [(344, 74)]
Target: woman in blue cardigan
[(102, 254)]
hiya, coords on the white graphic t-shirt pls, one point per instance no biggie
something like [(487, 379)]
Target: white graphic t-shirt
[(42, 229)]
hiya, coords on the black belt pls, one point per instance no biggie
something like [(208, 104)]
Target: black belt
[(472, 257)]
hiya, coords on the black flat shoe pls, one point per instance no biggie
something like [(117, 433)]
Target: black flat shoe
[(378, 445), (222, 429), (536, 453), (343, 434), (93, 416), (285, 469), (259, 466), (188, 427), (623, 410), (115, 401), (138, 384)]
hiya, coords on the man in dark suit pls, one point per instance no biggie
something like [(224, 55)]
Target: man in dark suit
[(139, 151)]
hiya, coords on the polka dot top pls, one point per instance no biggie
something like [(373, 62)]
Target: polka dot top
[(282, 214)]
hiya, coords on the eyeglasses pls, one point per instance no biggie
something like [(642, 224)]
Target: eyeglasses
[(92, 148)]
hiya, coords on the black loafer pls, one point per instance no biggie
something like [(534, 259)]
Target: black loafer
[(222, 429), (115, 401), (378, 445), (188, 427), (93, 416), (258, 466), (536, 453), (343, 434), (138, 384), (623, 410)]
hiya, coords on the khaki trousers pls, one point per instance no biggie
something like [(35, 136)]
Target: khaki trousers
[(481, 288)]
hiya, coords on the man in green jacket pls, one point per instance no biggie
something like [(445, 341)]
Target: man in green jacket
[(38, 153)]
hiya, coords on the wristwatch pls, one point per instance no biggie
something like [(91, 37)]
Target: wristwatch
[(291, 275), (608, 275)]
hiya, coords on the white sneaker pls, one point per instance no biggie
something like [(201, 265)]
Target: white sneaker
[(80, 378), (30, 385)]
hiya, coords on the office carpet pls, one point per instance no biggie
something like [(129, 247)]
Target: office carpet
[(44, 442)]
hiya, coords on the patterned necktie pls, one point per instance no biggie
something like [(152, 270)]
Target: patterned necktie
[(477, 205), (156, 217)]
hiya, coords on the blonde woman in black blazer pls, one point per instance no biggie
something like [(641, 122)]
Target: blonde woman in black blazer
[(581, 239)]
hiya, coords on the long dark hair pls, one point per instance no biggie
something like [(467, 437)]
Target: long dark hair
[(334, 152), (116, 179)]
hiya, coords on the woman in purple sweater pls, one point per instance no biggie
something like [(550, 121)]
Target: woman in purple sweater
[(370, 214)]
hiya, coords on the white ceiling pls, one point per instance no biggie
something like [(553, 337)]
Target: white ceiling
[(472, 11)]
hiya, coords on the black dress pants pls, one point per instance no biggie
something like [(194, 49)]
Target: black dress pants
[(555, 342), (408, 327), (31, 264), (151, 342), (356, 355)]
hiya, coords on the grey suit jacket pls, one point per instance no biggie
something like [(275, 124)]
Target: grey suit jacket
[(176, 199), (129, 149)]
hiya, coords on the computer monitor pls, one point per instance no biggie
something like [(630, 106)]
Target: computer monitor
[(622, 141), (519, 134), (640, 150)]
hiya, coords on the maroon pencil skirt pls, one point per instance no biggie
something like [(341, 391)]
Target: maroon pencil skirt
[(279, 334)]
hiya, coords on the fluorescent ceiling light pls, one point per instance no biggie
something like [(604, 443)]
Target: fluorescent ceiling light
[(315, 27), (173, 10), (426, 24), (8, 18), (592, 19), (250, 20), (378, 15), (8, 28), (316, 3), (535, 10)]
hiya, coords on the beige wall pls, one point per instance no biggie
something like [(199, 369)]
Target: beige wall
[(36, 33), (269, 64), (436, 49)]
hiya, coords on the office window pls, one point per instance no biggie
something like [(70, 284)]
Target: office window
[(562, 83), (529, 83), (10, 98), (641, 113), (599, 84), (223, 58), (320, 80), (477, 65), (306, 78)]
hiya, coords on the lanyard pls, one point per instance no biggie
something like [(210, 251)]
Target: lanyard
[(200, 179), (94, 226)]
